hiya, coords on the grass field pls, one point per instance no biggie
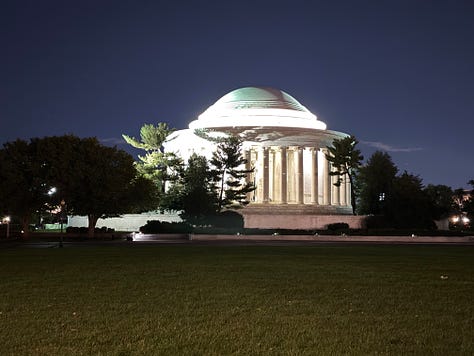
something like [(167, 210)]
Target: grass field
[(222, 300)]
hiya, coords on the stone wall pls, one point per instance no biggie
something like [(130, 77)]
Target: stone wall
[(300, 221), (126, 222)]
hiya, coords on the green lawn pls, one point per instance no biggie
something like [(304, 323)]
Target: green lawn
[(210, 300)]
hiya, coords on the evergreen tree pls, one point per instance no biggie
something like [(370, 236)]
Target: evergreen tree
[(469, 204), (193, 193), (409, 206), (227, 162), (345, 160), (441, 197), (375, 182), (157, 165), (92, 179)]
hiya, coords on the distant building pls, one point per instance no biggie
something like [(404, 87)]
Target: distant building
[(286, 144)]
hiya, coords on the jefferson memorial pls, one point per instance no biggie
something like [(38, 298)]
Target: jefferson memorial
[(285, 144)]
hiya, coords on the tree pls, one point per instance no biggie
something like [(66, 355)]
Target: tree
[(157, 165), (409, 206), (345, 160), (105, 182), (227, 162), (375, 182), (441, 197), (23, 189), (193, 193), (92, 179), (469, 204)]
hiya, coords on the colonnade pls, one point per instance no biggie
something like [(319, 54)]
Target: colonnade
[(294, 175)]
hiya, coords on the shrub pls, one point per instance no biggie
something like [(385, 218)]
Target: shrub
[(160, 227), (338, 227), (227, 219)]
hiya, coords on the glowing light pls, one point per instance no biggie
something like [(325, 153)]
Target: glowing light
[(465, 220), (6, 220), (52, 191), (257, 106), (215, 117), (187, 144)]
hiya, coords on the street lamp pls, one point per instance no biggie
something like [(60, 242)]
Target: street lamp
[(6, 220), (62, 217)]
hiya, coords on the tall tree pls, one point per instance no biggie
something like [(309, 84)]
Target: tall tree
[(409, 206), (469, 204), (23, 188), (157, 165), (345, 159), (105, 183), (193, 194), (441, 197), (229, 172), (375, 182), (92, 179)]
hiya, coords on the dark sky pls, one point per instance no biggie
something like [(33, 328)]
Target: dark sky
[(399, 75)]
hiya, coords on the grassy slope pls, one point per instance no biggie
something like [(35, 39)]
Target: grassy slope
[(237, 300)]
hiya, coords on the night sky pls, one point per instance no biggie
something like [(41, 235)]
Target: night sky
[(399, 75)]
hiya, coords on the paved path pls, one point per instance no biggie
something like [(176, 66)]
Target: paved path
[(242, 240)]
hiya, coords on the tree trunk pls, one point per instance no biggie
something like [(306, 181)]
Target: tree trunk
[(221, 193), (92, 220), (353, 195), (25, 226)]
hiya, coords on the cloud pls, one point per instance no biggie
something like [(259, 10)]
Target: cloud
[(112, 140), (384, 147)]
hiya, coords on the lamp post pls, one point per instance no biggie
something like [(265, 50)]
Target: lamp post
[(62, 214), (6, 220)]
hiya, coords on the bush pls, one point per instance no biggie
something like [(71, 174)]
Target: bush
[(162, 227), (338, 228), (227, 219), (377, 222)]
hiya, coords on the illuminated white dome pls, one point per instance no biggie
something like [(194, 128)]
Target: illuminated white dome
[(257, 106)]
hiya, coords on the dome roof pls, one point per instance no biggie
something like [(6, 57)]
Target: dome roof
[(257, 106), (258, 98)]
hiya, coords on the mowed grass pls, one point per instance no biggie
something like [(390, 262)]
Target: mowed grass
[(228, 300)]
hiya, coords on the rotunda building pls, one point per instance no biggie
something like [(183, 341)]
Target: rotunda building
[(285, 144)]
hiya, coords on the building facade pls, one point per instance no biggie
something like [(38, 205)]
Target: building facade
[(285, 144)]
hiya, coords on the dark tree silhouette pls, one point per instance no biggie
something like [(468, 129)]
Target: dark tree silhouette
[(345, 160), (227, 169)]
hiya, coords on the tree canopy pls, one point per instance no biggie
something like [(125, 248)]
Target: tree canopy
[(345, 159), (409, 206), (193, 194), (375, 182), (229, 173), (400, 200), (205, 188), (92, 179), (156, 165)]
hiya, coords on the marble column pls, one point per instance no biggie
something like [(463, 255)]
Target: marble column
[(266, 178), (348, 194), (254, 174), (326, 180), (260, 169), (343, 191), (271, 174), (299, 186), (291, 175), (278, 177), (336, 190), (248, 166), (284, 176), (314, 176)]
